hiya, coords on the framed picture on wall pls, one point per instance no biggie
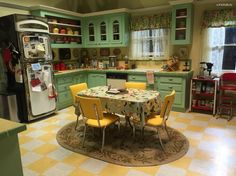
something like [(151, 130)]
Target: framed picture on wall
[(183, 53)]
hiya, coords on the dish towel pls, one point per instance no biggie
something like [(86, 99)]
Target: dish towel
[(150, 76)]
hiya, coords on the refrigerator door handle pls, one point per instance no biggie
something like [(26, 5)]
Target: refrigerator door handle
[(20, 26)]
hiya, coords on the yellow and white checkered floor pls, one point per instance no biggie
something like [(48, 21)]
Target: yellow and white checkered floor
[(212, 150)]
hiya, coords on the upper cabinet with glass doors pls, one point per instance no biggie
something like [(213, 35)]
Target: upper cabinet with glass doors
[(181, 30), (116, 30), (102, 30), (107, 31), (90, 38)]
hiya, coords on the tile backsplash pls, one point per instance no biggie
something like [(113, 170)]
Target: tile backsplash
[(76, 56)]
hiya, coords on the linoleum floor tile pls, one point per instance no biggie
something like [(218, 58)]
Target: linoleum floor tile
[(211, 151)]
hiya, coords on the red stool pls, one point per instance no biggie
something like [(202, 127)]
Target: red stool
[(227, 86)]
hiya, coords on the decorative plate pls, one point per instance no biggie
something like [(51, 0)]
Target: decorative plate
[(104, 52), (84, 52), (75, 52), (116, 51), (94, 52)]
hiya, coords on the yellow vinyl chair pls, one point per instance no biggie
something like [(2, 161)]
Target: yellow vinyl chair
[(93, 115), (160, 120), (136, 85), (74, 89)]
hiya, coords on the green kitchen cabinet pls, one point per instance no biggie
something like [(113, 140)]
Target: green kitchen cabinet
[(181, 28), (139, 78), (96, 79), (80, 78), (65, 30), (11, 161), (116, 31), (90, 27), (102, 30), (165, 84), (107, 30), (63, 82)]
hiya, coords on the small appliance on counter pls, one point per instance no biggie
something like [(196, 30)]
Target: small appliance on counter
[(112, 61), (208, 68), (186, 66), (127, 63)]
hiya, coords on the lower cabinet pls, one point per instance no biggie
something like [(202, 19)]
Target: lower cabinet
[(165, 84), (80, 78), (96, 79), (64, 98), (63, 82), (139, 78)]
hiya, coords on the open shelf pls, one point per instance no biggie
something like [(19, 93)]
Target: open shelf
[(203, 95)]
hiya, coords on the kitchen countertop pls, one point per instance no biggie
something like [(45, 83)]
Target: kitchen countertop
[(8, 128), (130, 71)]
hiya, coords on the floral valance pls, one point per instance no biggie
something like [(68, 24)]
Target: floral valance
[(218, 18), (162, 20)]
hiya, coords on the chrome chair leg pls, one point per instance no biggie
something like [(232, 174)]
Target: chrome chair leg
[(119, 125), (165, 127), (127, 120), (85, 126), (160, 140), (103, 138), (133, 131), (77, 122)]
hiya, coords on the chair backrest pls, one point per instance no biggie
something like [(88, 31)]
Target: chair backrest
[(167, 105), (74, 89), (91, 108), (136, 85), (228, 79)]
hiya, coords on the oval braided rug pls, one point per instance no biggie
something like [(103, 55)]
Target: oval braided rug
[(121, 148)]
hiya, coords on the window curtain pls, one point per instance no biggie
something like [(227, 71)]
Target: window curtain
[(218, 18), (142, 39), (213, 28), (156, 21), (213, 47)]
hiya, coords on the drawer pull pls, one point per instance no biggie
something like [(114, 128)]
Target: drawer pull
[(170, 87), (170, 79)]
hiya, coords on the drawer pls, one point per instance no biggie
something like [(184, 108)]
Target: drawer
[(178, 97), (79, 78), (97, 76), (174, 80), (169, 87), (64, 97), (64, 80), (63, 87), (140, 78)]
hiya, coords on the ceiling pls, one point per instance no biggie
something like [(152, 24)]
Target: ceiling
[(87, 6)]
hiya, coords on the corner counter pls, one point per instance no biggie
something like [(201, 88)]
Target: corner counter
[(130, 71), (10, 163)]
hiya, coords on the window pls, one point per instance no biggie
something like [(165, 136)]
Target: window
[(153, 44), (220, 48), (229, 56)]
